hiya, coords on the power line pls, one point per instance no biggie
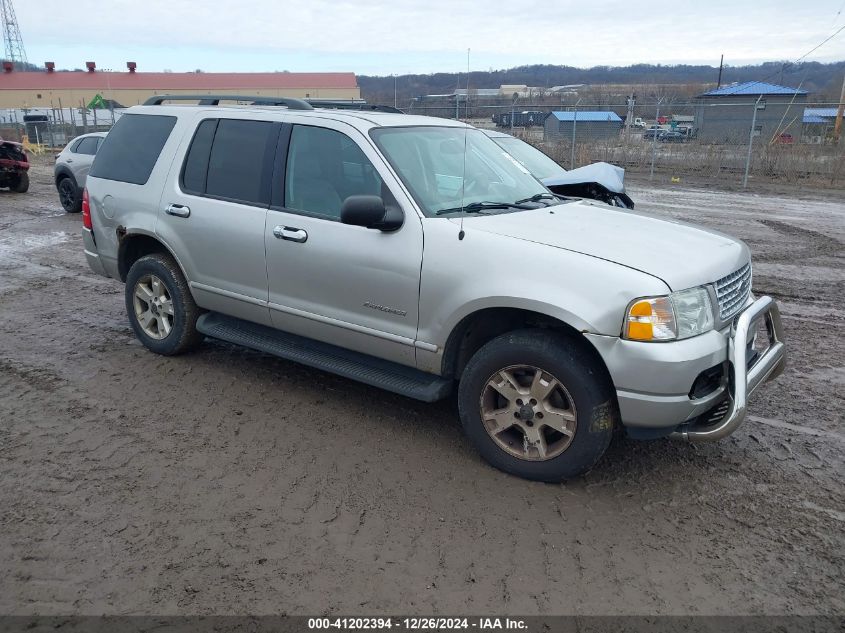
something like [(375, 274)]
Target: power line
[(812, 50)]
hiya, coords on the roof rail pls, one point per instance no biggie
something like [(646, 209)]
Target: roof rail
[(357, 104), (213, 100)]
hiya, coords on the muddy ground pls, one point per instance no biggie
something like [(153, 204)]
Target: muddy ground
[(228, 481)]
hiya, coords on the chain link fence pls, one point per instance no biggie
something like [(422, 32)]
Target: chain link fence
[(41, 129), (771, 138), (732, 140)]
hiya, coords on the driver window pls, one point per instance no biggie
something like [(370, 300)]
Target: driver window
[(324, 167)]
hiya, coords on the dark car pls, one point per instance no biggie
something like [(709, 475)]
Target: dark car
[(672, 137), (14, 166)]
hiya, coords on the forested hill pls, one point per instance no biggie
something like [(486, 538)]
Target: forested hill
[(818, 78)]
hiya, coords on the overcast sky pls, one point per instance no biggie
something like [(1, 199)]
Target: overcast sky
[(402, 36)]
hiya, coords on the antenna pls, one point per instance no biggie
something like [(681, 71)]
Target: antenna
[(463, 184), (12, 41)]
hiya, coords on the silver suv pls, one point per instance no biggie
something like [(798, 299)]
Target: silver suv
[(413, 254), (71, 169)]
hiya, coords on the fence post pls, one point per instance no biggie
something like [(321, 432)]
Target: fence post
[(574, 123), (654, 139), (750, 142)]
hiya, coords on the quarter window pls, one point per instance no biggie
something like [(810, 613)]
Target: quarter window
[(132, 148), (324, 167)]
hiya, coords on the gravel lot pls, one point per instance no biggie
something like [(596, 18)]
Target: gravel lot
[(228, 481)]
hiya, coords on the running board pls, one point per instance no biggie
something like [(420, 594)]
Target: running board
[(377, 372)]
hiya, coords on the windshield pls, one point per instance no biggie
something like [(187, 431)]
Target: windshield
[(540, 165), (430, 161)]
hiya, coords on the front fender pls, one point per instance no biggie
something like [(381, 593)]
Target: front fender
[(486, 270)]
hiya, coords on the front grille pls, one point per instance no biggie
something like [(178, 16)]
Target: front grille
[(732, 291)]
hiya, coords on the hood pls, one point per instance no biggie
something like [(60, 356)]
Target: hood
[(609, 176), (682, 255)]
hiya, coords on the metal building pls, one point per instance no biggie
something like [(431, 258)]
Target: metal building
[(54, 89), (588, 126), (724, 115)]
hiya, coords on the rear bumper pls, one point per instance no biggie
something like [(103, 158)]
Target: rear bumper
[(91, 253), (653, 380)]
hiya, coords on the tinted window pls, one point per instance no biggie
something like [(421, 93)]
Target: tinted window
[(87, 146), (241, 160), (132, 147), (195, 171), (324, 167)]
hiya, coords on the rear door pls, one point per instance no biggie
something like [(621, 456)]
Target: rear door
[(82, 157), (214, 208)]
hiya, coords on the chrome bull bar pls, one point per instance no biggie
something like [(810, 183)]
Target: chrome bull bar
[(746, 379)]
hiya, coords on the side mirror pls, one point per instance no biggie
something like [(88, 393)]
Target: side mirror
[(370, 212)]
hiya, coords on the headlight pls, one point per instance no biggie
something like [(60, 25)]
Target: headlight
[(676, 316)]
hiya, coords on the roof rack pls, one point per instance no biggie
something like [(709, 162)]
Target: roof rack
[(356, 104), (213, 100)]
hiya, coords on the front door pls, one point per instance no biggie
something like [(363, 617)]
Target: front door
[(342, 284)]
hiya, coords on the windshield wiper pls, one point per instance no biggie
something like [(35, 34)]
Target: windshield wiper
[(480, 207), (537, 197)]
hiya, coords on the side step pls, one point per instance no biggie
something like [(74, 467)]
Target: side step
[(389, 376)]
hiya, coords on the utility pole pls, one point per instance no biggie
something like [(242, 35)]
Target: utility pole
[(395, 100), (466, 113), (513, 105), (721, 64), (750, 142), (837, 125), (629, 118)]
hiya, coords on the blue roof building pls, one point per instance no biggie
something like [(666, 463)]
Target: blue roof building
[(724, 114), (819, 115), (587, 125), (586, 115), (755, 88)]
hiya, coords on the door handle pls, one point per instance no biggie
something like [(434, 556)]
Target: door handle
[(290, 233), (179, 210)]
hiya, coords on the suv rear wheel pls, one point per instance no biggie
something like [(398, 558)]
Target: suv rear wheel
[(69, 195), (160, 306), (536, 405)]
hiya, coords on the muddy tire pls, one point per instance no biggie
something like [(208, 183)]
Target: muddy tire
[(21, 185), (160, 306), (537, 405), (69, 195)]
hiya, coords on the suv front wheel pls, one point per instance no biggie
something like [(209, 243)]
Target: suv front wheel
[(536, 405), (160, 306)]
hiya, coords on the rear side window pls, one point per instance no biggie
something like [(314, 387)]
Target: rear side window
[(232, 159), (132, 148)]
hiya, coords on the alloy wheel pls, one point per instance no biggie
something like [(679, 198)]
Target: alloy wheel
[(528, 412), (153, 307), (67, 193)]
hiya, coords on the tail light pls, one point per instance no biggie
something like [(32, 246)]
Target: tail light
[(86, 210)]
